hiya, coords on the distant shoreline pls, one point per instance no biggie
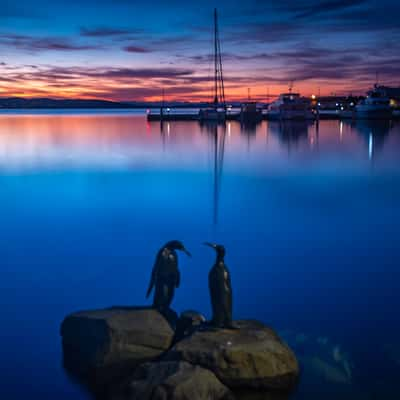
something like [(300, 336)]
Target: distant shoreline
[(13, 103)]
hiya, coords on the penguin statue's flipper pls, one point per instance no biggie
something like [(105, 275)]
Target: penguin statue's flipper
[(153, 278)]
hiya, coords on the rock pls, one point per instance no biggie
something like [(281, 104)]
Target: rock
[(327, 372), (105, 344), (187, 323), (251, 356), (254, 394), (175, 380), (194, 318), (321, 359)]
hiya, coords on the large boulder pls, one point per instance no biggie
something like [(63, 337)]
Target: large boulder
[(105, 344), (251, 356), (174, 380)]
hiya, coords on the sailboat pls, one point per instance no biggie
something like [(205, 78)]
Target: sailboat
[(217, 110)]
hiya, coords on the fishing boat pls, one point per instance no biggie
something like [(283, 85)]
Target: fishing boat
[(290, 106), (375, 106), (217, 109)]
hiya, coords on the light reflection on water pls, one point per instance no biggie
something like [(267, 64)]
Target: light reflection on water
[(308, 212), (36, 142)]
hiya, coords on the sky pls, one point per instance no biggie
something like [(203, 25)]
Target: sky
[(127, 50)]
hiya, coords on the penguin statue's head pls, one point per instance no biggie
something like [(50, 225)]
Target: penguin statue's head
[(177, 245), (218, 248)]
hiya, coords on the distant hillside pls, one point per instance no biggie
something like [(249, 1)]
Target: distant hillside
[(23, 103), (17, 102)]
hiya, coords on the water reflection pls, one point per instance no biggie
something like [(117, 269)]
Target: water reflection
[(290, 133), (312, 233), (126, 141), (219, 150), (374, 133)]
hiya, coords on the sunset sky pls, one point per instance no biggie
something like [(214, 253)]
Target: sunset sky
[(130, 50)]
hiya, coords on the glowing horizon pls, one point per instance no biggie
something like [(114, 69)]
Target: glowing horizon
[(71, 50)]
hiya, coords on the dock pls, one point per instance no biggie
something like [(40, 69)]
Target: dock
[(185, 115), (172, 117)]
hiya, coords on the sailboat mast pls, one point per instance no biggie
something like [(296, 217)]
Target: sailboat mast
[(215, 58), (221, 76)]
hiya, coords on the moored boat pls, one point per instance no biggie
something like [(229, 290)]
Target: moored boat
[(212, 114), (375, 106), (290, 106), (249, 112)]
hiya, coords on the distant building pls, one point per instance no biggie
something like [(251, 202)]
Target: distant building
[(333, 102)]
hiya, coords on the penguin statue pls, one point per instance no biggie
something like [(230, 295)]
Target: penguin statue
[(219, 282), (165, 275)]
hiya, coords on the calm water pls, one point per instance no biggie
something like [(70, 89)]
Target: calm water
[(310, 218)]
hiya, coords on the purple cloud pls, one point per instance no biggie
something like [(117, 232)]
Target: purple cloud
[(136, 49), (31, 43), (103, 31)]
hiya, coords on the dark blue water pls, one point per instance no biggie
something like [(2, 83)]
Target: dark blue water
[(309, 215)]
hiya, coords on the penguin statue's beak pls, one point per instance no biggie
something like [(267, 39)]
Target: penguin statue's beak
[(214, 246), (186, 252)]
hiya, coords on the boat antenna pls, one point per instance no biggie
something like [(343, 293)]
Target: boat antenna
[(376, 78), (162, 104)]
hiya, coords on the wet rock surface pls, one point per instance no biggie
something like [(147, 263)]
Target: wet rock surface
[(104, 344), (250, 356), (134, 353), (175, 380)]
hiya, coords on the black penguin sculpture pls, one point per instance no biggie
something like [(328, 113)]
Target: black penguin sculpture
[(219, 282), (165, 275)]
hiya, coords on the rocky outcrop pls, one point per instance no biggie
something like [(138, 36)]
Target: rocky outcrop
[(175, 380), (250, 356), (106, 344), (135, 353), (187, 323)]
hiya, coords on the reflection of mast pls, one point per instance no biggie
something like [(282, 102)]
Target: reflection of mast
[(219, 151), (162, 133), (162, 117)]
